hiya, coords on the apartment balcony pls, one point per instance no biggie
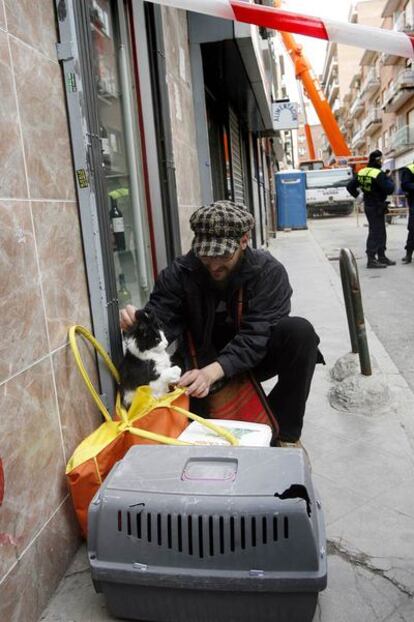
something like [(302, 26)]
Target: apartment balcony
[(373, 121), (400, 92), (357, 107), (387, 58), (402, 140), (371, 83), (330, 71), (358, 139), (403, 24), (333, 91)]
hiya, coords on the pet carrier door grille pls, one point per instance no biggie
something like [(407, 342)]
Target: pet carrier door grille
[(202, 535)]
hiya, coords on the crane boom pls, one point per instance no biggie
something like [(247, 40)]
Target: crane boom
[(304, 73)]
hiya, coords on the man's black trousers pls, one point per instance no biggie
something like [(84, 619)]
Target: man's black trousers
[(377, 236), (292, 355), (409, 247)]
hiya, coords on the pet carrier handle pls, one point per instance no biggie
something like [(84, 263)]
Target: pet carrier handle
[(73, 331)]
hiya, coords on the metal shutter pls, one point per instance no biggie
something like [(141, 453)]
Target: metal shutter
[(236, 159)]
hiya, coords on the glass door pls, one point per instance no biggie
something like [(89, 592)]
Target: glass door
[(122, 156)]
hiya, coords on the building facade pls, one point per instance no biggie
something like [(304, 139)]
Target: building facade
[(119, 118), (380, 103), (377, 109), (346, 81)]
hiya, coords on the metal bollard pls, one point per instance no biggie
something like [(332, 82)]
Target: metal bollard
[(354, 310)]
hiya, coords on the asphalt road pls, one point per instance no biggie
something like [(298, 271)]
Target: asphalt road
[(387, 295)]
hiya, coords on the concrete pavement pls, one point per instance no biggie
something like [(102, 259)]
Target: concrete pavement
[(363, 468)]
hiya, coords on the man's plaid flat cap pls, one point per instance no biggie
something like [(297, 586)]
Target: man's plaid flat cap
[(219, 227)]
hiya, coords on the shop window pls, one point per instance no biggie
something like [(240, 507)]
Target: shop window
[(121, 150)]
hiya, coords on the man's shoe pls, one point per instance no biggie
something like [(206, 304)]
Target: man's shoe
[(289, 444), (408, 258), (374, 263), (387, 262)]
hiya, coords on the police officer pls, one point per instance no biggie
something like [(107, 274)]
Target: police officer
[(407, 185), (375, 185)]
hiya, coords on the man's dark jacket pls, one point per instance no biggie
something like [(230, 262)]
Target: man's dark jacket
[(382, 186), (407, 185), (183, 299)]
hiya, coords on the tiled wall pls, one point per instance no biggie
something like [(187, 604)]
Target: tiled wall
[(44, 409)]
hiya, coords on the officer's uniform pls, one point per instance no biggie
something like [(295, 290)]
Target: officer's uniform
[(407, 185), (376, 186)]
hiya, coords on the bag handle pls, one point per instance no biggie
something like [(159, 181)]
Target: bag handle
[(166, 403), (255, 383), (77, 329), (73, 332)]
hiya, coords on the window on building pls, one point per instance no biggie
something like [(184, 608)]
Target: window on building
[(121, 151)]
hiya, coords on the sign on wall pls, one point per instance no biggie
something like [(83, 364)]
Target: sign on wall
[(285, 115)]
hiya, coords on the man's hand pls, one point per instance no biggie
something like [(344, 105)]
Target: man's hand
[(127, 317), (199, 381)]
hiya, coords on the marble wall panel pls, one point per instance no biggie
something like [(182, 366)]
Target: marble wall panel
[(62, 268), (32, 454), (12, 178), (44, 124), (22, 322), (79, 415), (27, 589), (2, 15), (34, 23)]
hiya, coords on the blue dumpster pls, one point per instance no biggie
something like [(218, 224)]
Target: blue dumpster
[(291, 199)]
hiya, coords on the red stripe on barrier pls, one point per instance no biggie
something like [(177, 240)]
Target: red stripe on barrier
[(412, 41), (279, 20)]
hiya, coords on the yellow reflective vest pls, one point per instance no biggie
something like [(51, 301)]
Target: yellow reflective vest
[(410, 168), (365, 177)]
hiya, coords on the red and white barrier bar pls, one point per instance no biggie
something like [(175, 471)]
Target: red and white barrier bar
[(367, 37)]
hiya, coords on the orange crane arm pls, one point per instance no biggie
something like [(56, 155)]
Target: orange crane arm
[(304, 72)]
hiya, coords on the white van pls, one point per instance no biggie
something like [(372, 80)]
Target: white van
[(326, 191)]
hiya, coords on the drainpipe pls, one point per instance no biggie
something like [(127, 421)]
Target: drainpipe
[(164, 132)]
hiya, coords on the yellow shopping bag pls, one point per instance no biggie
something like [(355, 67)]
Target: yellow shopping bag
[(148, 420)]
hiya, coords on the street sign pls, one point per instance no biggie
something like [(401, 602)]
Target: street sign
[(285, 115)]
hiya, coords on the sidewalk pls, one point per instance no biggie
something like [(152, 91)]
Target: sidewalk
[(363, 468)]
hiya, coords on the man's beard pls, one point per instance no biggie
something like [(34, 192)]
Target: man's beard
[(223, 284)]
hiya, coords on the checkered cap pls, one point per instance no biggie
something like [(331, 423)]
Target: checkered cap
[(219, 227)]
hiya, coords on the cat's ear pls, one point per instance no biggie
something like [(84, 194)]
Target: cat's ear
[(139, 313), (149, 315)]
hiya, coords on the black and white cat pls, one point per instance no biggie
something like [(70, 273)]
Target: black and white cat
[(146, 360)]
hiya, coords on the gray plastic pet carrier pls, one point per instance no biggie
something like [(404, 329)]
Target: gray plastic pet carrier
[(208, 534)]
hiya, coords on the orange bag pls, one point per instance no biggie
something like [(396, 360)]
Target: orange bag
[(238, 399), (148, 420)]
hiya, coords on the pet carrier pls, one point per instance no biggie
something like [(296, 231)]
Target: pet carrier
[(209, 534)]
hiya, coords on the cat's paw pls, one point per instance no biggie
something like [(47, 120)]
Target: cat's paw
[(171, 375), (175, 374)]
